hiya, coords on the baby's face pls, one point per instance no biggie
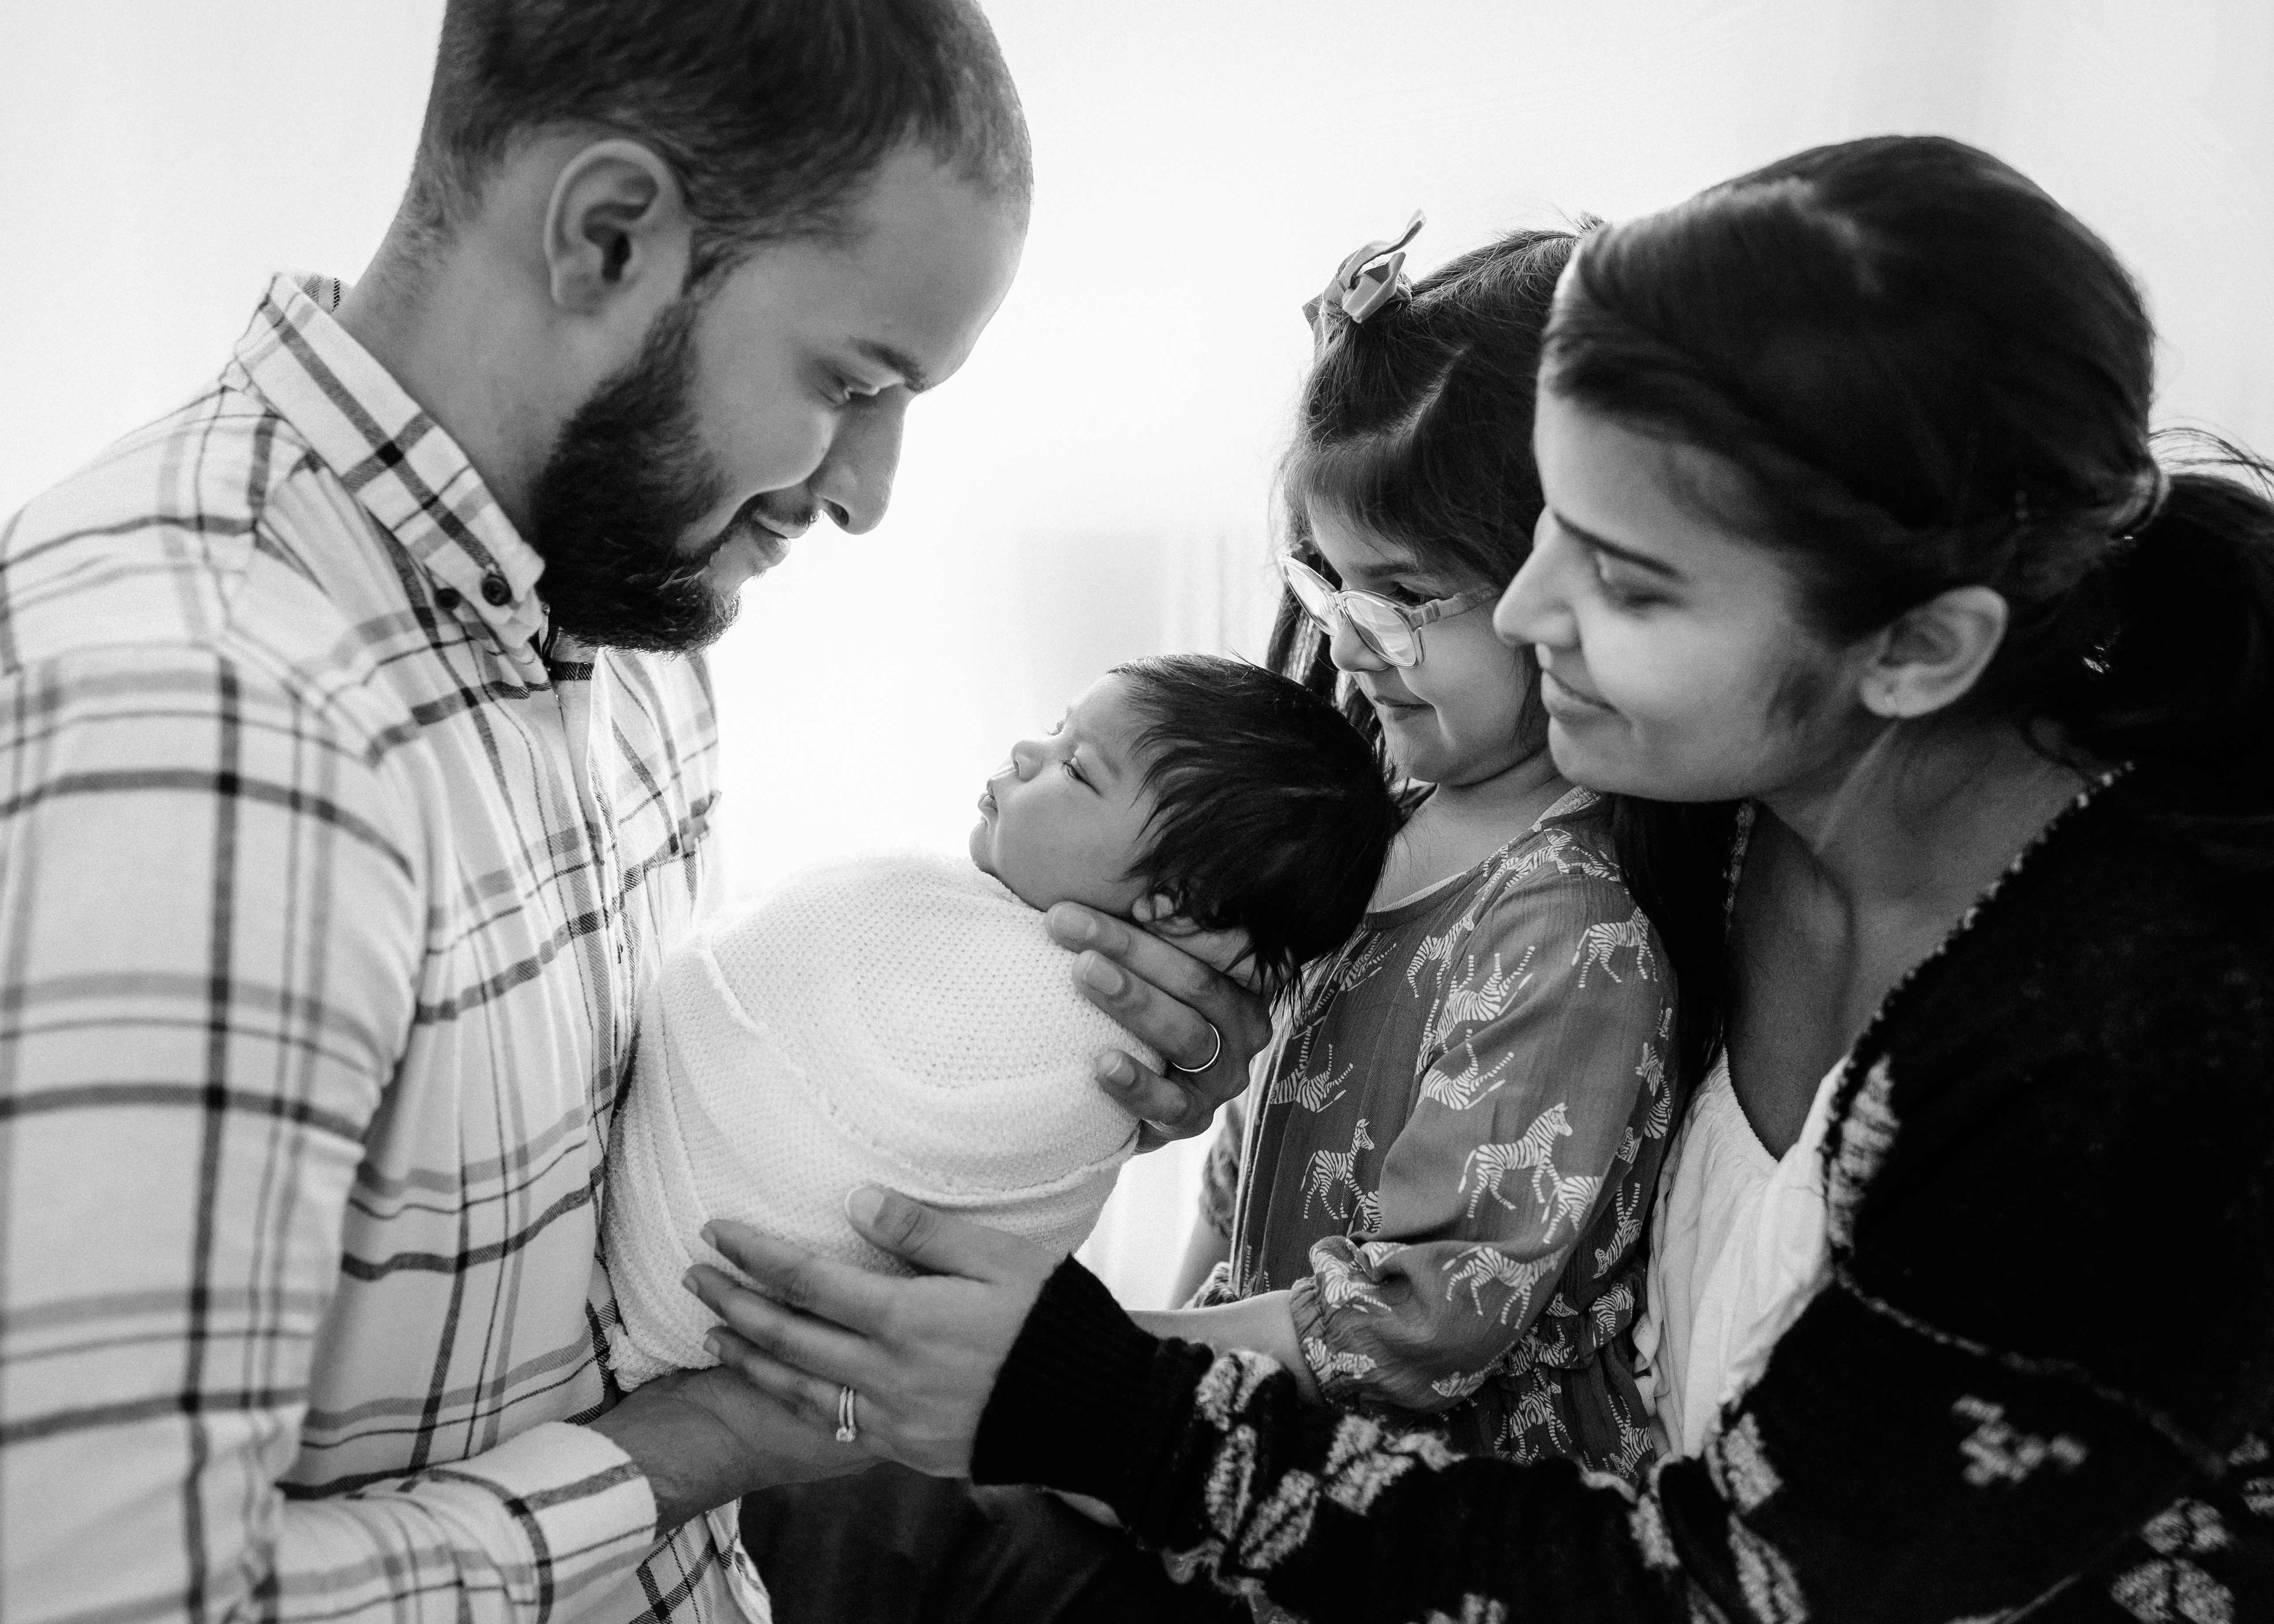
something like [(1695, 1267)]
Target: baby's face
[(1066, 818)]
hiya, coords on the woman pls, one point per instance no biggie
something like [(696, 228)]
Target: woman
[(1853, 520)]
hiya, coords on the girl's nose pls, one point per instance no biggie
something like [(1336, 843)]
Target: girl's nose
[(1348, 649)]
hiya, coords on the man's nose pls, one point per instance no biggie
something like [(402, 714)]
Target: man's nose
[(853, 485)]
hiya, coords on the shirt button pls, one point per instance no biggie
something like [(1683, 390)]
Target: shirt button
[(495, 592), (447, 598)]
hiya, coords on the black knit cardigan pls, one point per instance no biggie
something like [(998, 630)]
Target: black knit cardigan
[(2038, 1385)]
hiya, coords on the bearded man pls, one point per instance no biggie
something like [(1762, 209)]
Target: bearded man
[(358, 767)]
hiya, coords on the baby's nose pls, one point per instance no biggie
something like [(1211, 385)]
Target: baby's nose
[(1026, 756)]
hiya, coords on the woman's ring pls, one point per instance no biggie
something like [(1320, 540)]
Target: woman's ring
[(1205, 1065), (848, 1430)]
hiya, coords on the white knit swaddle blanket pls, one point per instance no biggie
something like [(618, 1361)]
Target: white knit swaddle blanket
[(900, 1021)]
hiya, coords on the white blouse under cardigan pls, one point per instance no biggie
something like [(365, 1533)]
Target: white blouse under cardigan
[(1738, 1248)]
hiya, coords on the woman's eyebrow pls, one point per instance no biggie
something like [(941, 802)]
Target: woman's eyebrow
[(1640, 560)]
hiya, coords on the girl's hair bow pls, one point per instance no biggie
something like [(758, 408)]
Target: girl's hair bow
[(1361, 282)]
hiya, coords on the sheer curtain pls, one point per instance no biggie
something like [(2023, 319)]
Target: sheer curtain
[(1097, 484)]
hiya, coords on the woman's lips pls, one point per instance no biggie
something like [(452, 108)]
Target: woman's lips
[(1566, 703)]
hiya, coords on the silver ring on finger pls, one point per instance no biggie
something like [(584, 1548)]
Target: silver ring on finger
[(1214, 1055), (848, 1426)]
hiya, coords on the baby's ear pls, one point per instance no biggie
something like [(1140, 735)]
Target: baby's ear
[(1157, 910)]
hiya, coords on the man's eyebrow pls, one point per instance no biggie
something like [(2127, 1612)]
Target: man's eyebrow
[(1640, 560), (913, 376)]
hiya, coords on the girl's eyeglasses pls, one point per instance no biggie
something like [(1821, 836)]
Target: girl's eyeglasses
[(1392, 630)]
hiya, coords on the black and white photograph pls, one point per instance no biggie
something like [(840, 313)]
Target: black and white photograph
[(1232, 812)]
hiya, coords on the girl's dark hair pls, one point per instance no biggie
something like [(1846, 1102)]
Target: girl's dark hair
[(1416, 426), (1930, 374), (1270, 814)]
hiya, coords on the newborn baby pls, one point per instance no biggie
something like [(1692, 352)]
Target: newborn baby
[(905, 1020)]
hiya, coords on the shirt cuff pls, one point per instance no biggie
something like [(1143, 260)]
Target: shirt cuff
[(1311, 1335), (584, 1512), (1068, 1407)]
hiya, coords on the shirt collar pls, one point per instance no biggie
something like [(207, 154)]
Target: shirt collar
[(1572, 804), (402, 467)]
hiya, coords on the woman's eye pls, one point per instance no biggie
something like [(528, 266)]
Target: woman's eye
[(1622, 592)]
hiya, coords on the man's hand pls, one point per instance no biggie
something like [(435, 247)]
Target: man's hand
[(707, 1437), (1178, 994)]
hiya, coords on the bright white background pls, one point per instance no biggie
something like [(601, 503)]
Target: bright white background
[(1095, 483)]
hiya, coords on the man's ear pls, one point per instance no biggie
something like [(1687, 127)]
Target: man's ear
[(1931, 656), (616, 224)]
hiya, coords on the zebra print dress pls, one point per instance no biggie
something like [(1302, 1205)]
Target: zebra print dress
[(1449, 1156)]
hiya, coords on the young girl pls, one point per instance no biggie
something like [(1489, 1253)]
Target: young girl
[(1449, 1151)]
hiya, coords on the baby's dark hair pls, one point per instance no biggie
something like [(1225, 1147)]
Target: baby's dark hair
[(1271, 814)]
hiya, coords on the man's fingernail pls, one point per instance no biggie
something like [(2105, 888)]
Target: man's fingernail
[(718, 1348), (691, 1281), (1103, 976), (1076, 926), (863, 1204), (1113, 1073), (710, 1235)]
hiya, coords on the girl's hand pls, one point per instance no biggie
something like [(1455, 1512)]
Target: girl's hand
[(922, 1354), (1170, 991)]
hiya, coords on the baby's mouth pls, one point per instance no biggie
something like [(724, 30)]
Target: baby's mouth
[(986, 803)]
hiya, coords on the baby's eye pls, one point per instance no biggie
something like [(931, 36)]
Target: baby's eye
[(1072, 769)]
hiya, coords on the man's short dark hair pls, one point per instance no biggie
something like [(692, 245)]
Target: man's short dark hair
[(772, 112), (1271, 814)]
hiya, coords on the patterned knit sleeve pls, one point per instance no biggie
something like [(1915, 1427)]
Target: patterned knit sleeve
[(1878, 1475), (1543, 1074)]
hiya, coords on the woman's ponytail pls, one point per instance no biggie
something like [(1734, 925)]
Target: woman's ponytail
[(2187, 680)]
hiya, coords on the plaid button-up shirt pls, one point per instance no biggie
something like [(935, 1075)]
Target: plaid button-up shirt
[(325, 902)]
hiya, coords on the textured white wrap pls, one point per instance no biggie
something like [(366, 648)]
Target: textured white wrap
[(902, 1020)]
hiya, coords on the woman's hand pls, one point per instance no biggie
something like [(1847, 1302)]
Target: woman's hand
[(1178, 993), (922, 1354)]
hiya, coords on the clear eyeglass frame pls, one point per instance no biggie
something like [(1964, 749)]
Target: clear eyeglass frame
[(1391, 630)]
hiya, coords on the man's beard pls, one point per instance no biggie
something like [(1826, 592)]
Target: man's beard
[(627, 481)]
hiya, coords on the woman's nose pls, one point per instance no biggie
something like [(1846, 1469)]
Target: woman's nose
[(1531, 610), (1348, 649)]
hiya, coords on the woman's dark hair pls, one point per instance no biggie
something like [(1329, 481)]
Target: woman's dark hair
[(1416, 426), (1270, 814), (1930, 374)]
